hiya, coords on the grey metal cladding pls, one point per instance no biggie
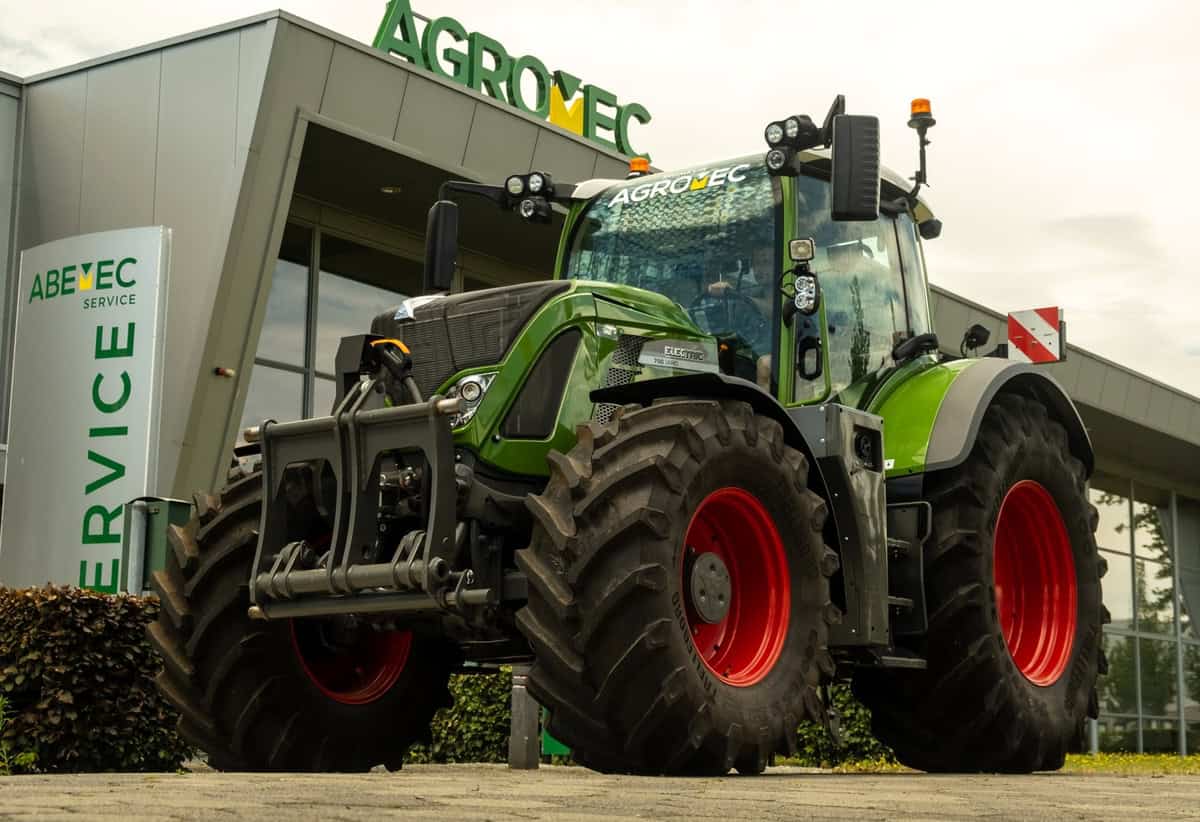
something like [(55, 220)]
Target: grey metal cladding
[(298, 67), (607, 168), (564, 160), (1137, 404), (10, 110), (120, 133), (435, 121), (254, 52), (1066, 372), (499, 144), (1115, 390), (51, 175), (196, 188), (950, 323), (1177, 421), (1159, 413), (364, 91), (1091, 381)]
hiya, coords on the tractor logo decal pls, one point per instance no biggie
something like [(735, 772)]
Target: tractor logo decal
[(682, 355), (692, 181)]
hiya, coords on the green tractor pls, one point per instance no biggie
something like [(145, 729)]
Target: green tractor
[(713, 465)]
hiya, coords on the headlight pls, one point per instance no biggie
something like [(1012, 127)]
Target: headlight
[(515, 185), (471, 390), (776, 159), (528, 208), (807, 294), (774, 134), (791, 127), (536, 181)]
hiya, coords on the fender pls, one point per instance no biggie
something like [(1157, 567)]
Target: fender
[(933, 417), (712, 386)]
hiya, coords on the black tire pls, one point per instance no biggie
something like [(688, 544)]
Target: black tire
[(615, 660), (973, 709), (239, 684)]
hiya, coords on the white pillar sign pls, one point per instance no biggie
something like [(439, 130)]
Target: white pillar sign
[(86, 393)]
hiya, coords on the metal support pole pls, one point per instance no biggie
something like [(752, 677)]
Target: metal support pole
[(1175, 548), (523, 738)]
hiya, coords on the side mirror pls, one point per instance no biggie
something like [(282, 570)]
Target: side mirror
[(441, 247), (855, 183)]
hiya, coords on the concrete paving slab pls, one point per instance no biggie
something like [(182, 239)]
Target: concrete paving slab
[(492, 792)]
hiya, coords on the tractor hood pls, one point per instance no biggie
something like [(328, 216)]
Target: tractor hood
[(662, 310), (452, 333), (448, 334)]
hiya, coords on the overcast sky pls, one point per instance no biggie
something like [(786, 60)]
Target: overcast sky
[(1063, 163)]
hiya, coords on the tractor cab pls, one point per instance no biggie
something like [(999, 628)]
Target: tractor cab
[(718, 240)]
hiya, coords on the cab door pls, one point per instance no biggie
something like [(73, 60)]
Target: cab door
[(846, 347)]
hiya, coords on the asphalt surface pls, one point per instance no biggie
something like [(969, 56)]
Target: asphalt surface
[(492, 792)]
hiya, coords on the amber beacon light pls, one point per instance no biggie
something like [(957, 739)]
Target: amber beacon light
[(921, 114)]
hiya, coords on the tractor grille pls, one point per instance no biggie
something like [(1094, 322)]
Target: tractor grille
[(623, 369), (465, 330)]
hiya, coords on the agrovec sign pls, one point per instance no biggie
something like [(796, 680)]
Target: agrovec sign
[(447, 49)]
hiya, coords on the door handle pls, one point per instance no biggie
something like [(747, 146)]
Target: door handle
[(807, 345)]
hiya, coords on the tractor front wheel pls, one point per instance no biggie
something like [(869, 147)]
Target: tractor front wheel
[(678, 591), (1012, 580), (302, 695)]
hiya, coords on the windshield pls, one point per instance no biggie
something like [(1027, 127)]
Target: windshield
[(704, 237)]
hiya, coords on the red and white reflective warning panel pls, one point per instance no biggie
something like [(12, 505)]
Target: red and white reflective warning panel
[(1035, 335)]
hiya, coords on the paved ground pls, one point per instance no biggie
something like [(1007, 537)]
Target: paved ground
[(492, 792)]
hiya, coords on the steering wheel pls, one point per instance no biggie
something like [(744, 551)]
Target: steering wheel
[(731, 313)]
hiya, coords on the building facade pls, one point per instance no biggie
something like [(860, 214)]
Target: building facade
[(295, 167)]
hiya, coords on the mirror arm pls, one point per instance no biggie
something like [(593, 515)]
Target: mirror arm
[(496, 194), (563, 192)]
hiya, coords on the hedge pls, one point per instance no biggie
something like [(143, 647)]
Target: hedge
[(475, 728), (77, 682), (77, 677)]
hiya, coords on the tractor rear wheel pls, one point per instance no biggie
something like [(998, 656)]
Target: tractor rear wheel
[(1012, 581), (298, 695), (678, 591)]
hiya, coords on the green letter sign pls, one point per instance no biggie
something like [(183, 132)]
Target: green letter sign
[(487, 67)]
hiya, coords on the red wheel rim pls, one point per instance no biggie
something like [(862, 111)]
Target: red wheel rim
[(1034, 577), (351, 674), (743, 647)]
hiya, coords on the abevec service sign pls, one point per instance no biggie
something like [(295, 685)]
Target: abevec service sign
[(86, 393)]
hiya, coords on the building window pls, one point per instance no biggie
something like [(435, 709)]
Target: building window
[(309, 309), (354, 285), (1147, 700)]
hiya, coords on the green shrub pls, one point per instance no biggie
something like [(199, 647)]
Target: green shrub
[(11, 760), (858, 744), (475, 728), (78, 675)]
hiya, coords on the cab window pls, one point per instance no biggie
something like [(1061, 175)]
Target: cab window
[(913, 263), (862, 291)]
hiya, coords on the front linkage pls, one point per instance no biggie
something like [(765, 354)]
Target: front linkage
[(339, 468)]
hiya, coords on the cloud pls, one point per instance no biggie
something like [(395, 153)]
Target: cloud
[(16, 51), (1058, 162), (1126, 237)]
